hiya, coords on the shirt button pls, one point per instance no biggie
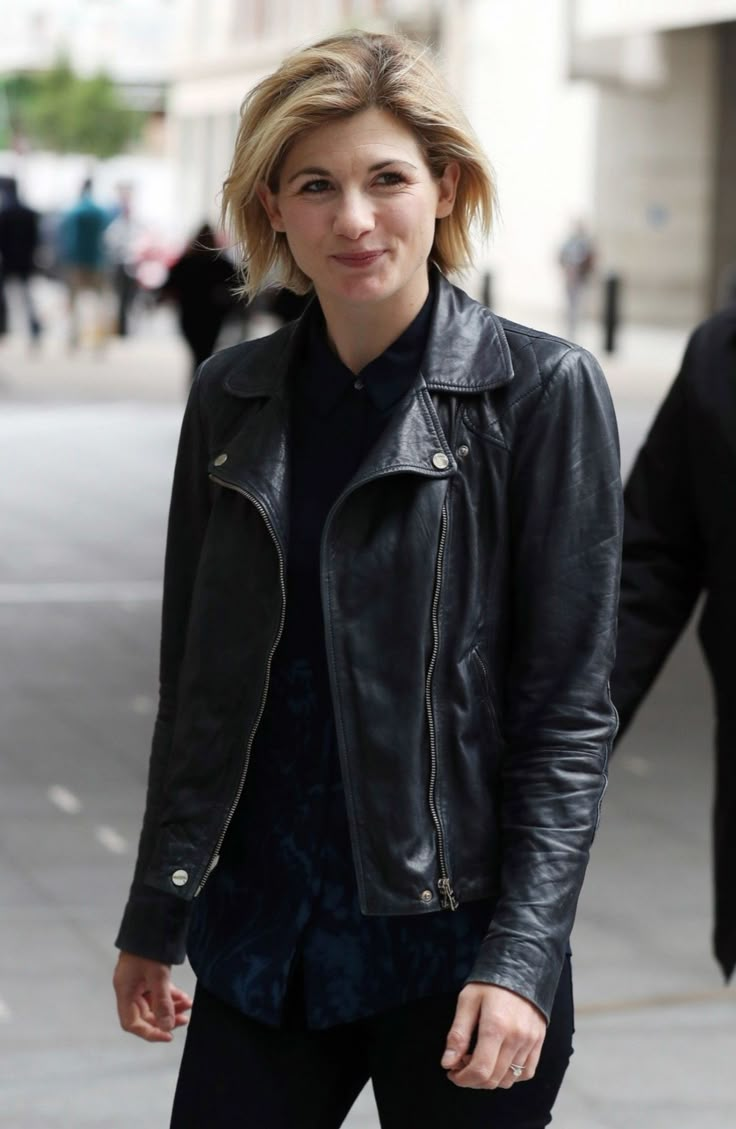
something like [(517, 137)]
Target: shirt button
[(359, 384), (427, 895), (440, 460), (463, 451), (180, 877), (220, 460)]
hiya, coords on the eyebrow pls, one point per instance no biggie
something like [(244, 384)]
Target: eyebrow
[(314, 170)]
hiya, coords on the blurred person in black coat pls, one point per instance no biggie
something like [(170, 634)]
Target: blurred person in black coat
[(680, 544), (201, 284), (18, 243)]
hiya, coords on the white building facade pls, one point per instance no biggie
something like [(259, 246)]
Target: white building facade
[(664, 200)]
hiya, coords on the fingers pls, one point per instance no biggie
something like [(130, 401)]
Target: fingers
[(461, 1032), (532, 1062), (143, 1022), (162, 1004), (509, 1030), (182, 1005), (149, 1006)]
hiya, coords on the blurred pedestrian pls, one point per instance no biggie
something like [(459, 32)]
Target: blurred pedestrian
[(120, 245), (389, 617), (577, 259), (679, 545), (19, 237), (201, 284), (83, 262)]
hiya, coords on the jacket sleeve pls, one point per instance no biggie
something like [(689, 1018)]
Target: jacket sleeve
[(565, 524), (662, 573), (155, 922)]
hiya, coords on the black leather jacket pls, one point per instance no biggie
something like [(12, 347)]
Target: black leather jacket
[(470, 578)]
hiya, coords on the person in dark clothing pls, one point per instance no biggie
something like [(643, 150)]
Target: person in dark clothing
[(18, 243), (201, 284), (389, 622), (679, 545)]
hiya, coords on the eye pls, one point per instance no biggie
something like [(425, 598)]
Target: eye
[(390, 179), (315, 187)]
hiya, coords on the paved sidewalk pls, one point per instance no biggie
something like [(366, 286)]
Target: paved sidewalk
[(149, 368)]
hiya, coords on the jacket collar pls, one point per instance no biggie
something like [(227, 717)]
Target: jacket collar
[(467, 350), (255, 460)]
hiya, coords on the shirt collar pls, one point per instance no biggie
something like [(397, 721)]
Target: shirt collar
[(384, 380)]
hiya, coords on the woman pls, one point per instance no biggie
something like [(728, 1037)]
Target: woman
[(388, 624)]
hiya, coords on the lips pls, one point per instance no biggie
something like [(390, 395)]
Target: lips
[(358, 258)]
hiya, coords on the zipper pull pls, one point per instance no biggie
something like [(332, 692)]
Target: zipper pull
[(447, 897)]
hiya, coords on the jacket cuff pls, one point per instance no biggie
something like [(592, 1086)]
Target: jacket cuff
[(155, 926), (522, 967)]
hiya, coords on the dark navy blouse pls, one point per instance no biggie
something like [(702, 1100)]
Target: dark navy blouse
[(281, 910)]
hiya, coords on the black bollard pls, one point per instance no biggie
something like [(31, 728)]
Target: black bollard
[(612, 289)]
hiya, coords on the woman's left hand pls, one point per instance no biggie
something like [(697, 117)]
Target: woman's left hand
[(510, 1030)]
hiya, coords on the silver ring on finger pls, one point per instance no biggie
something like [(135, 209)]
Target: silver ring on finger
[(516, 1070)]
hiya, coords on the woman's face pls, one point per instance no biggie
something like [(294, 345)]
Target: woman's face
[(358, 204)]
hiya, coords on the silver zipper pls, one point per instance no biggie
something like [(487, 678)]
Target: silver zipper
[(447, 896), (214, 857)]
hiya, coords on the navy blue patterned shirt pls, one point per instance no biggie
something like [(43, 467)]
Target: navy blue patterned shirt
[(281, 910)]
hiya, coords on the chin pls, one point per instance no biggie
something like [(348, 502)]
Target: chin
[(371, 288), (363, 292)]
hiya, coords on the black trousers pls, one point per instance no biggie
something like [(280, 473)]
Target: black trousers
[(237, 1073)]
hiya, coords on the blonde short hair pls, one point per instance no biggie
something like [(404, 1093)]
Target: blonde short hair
[(332, 80)]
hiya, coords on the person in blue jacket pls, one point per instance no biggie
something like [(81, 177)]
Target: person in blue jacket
[(83, 260)]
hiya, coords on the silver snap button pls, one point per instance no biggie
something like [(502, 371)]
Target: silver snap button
[(440, 460), (359, 385), (426, 895), (180, 877), (463, 451), (220, 460)]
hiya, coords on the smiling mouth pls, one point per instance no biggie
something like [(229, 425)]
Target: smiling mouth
[(358, 258)]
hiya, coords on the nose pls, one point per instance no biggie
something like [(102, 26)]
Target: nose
[(354, 215)]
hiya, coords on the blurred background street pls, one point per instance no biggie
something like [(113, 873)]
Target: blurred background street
[(611, 120)]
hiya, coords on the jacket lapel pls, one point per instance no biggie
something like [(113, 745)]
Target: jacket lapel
[(255, 458), (255, 462), (467, 352)]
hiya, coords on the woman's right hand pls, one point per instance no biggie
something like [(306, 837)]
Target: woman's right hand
[(149, 1005)]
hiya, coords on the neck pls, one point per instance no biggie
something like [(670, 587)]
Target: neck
[(359, 333)]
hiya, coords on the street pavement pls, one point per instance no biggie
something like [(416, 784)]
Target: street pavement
[(86, 449)]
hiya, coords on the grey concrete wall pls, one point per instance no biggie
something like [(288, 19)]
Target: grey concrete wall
[(655, 183), (723, 272)]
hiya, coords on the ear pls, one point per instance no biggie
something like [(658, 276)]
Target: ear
[(269, 200), (447, 185)]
